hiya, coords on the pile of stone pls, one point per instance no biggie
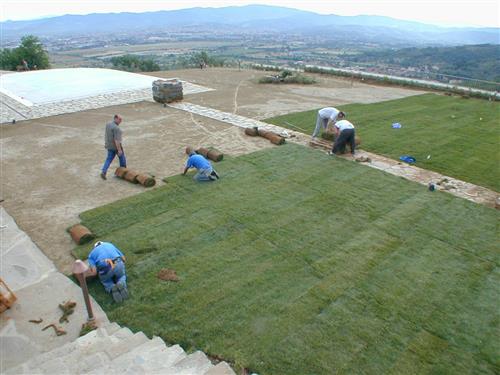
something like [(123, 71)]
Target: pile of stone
[(167, 91)]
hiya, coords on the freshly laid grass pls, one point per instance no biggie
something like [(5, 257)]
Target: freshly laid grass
[(451, 135), (297, 263)]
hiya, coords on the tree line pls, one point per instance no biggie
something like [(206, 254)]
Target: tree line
[(29, 55)]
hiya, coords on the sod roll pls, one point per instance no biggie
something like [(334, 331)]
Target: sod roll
[(131, 176), (252, 132), (145, 180), (81, 234), (263, 133), (215, 155), (276, 139), (202, 151), (272, 137), (120, 172), (211, 154)]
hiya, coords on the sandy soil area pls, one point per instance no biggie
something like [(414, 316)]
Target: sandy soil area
[(50, 166), (239, 92)]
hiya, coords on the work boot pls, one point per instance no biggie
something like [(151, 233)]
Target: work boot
[(122, 288), (103, 175), (117, 296)]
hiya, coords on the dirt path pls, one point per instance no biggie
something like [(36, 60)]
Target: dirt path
[(50, 166), (235, 110)]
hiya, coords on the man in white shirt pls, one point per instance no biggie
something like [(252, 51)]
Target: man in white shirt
[(344, 133), (324, 116)]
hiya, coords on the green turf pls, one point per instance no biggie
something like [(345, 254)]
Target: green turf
[(297, 263), (448, 129)]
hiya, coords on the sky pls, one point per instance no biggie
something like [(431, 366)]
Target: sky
[(477, 13)]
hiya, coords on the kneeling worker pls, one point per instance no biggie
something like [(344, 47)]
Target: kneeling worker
[(204, 169), (108, 262), (344, 133)]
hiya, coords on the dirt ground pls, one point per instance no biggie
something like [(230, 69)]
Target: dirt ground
[(239, 92), (50, 166)]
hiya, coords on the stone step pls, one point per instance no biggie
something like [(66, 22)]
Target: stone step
[(115, 350), (163, 358), (91, 362), (125, 345), (55, 366), (195, 363), (111, 328), (138, 355), (96, 349), (122, 333), (156, 360), (79, 350), (221, 368)]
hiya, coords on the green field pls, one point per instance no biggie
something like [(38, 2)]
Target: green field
[(297, 263), (461, 136)]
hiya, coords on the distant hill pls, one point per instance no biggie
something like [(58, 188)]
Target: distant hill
[(255, 18), (472, 61)]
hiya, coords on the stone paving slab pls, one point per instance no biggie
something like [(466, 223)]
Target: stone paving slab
[(11, 109), (39, 289), (462, 189), (23, 264)]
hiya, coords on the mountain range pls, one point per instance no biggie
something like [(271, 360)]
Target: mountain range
[(255, 18)]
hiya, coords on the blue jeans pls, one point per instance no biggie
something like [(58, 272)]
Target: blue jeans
[(203, 174), (114, 276), (109, 159), (319, 121)]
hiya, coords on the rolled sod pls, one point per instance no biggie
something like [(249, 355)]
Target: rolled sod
[(252, 132), (202, 151), (121, 171), (131, 176), (145, 180), (272, 137), (81, 234), (215, 155), (211, 154)]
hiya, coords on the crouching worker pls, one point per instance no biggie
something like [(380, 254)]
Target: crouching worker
[(106, 261), (344, 134), (204, 169)]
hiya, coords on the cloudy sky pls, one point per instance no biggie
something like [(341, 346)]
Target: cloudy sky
[(440, 12)]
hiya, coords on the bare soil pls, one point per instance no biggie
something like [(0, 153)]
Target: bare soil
[(50, 167)]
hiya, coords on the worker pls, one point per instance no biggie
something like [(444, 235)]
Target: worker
[(113, 145), (205, 171), (107, 261), (324, 116), (344, 134)]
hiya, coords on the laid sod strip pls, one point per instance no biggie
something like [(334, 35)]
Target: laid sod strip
[(297, 263), (450, 135)]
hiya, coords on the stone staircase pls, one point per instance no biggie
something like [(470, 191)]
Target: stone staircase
[(116, 350)]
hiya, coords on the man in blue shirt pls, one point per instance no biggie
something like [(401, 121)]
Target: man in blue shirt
[(108, 262), (204, 169)]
